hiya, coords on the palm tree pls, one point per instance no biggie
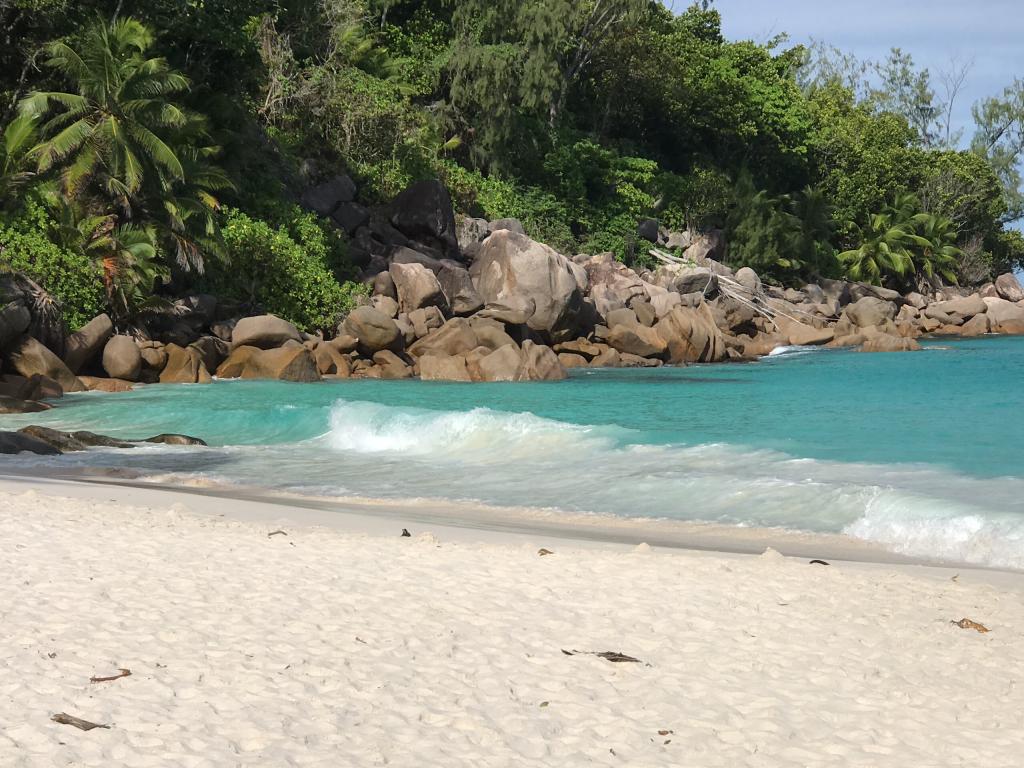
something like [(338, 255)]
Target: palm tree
[(888, 243), (18, 138), (109, 131), (940, 256), (121, 137)]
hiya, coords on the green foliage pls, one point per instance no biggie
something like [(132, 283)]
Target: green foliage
[(27, 245), (785, 239), (1000, 140), (901, 242), (287, 276), (120, 137)]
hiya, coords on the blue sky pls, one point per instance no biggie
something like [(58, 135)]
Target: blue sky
[(991, 32)]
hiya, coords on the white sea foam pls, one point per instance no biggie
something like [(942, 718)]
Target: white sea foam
[(523, 459)]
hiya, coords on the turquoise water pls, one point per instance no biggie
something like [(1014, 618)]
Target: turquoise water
[(918, 451)]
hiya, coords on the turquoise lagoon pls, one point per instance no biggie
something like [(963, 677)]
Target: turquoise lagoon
[(920, 452)]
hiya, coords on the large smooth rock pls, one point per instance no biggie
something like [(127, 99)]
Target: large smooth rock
[(501, 365), (424, 213), (17, 442), (1008, 287), (213, 350), (962, 308), (122, 358), (749, 279), (442, 368), (292, 363), (458, 288), (373, 329), (456, 337), (14, 321), (885, 342), (511, 269), (540, 363), (67, 442), (1005, 316), (417, 287), (706, 246), (691, 336), (391, 366), (17, 405), (636, 339), (184, 366), (98, 384), (87, 342), (804, 335), (174, 439), (870, 311), (263, 331), (696, 280), (612, 285), (236, 362), (29, 357), (490, 333)]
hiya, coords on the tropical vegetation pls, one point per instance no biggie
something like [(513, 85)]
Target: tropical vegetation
[(156, 147)]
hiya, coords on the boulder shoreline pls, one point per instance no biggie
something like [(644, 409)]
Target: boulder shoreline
[(475, 301)]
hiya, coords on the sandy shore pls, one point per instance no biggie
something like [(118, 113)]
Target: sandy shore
[(351, 646)]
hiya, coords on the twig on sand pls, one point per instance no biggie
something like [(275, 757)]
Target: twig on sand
[(276, 533), (121, 672), (542, 552), (83, 725), (613, 656), (968, 624), (819, 562)]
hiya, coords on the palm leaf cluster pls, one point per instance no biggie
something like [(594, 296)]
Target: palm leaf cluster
[(123, 146), (900, 243)]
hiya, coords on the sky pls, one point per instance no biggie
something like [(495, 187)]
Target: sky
[(989, 32)]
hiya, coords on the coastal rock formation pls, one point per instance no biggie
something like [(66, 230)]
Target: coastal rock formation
[(1009, 288), (885, 342), (290, 363), (122, 359), (372, 329), (514, 271), (17, 405), (691, 336), (184, 366), (264, 331), (30, 357), (417, 287), (17, 442), (424, 213), (87, 342)]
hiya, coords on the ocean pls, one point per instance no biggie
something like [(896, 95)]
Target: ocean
[(919, 452)]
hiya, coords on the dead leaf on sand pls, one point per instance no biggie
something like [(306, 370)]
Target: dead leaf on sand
[(83, 725), (613, 656), (968, 624), (542, 552)]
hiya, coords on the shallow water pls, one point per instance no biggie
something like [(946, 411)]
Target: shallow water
[(920, 452)]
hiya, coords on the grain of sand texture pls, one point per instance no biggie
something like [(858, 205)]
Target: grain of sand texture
[(322, 647)]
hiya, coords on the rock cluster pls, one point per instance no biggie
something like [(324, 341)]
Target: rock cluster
[(480, 301)]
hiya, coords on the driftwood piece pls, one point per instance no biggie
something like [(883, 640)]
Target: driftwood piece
[(614, 656), (83, 725), (121, 672)]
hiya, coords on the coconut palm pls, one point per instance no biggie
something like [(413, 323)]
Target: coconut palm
[(15, 170), (887, 243), (121, 137), (940, 256), (111, 130)]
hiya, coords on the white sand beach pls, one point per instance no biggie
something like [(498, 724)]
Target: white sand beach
[(349, 645)]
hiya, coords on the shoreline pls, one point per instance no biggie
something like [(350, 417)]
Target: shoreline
[(479, 523)]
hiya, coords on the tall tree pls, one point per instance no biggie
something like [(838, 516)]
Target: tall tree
[(999, 138)]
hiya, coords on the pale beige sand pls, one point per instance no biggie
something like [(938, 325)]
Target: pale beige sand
[(328, 647)]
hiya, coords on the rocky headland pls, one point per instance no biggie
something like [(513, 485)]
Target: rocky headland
[(476, 301)]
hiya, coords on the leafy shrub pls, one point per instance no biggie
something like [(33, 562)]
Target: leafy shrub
[(289, 276), (70, 276)]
